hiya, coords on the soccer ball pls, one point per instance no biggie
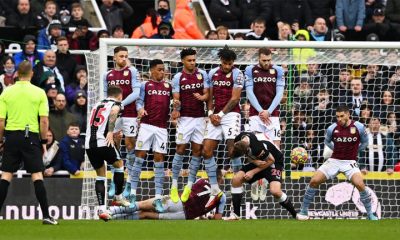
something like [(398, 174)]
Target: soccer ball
[(298, 155)]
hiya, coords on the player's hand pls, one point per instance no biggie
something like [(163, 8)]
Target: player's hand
[(110, 139), (141, 113), (364, 171), (176, 104), (175, 114), (215, 119), (264, 116), (199, 97), (389, 171), (118, 135), (49, 172), (248, 175), (259, 163)]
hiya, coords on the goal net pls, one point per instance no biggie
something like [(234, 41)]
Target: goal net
[(319, 77)]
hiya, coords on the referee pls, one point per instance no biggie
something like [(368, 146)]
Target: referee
[(22, 104)]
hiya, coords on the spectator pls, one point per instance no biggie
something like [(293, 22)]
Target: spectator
[(60, 118), (164, 10), (314, 77), (356, 97), (320, 31), (258, 30), (77, 13), (29, 52), (149, 26), (51, 93), (223, 33), (79, 83), (394, 84), (47, 78), (165, 31), (79, 109), (322, 114), (373, 81), (356, 58), (185, 23), (115, 12), (48, 36), (301, 55), (382, 27), (48, 64), (314, 149), (350, 15), (103, 34), (48, 15), (370, 6), (118, 32), (254, 9), (295, 12), (37, 6), (52, 160), (65, 61), (225, 13), (7, 78), (385, 106), (3, 55), (366, 114), (72, 150), (341, 85), (302, 95), (82, 38), (239, 36), (323, 9), (380, 155), (285, 32), (22, 17), (212, 35), (393, 10), (392, 57), (299, 126)]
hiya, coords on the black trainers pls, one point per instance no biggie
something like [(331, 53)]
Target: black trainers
[(49, 221)]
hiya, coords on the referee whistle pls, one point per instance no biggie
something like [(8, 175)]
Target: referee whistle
[(26, 131)]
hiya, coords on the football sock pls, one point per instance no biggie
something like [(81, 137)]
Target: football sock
[(135, 174), (365, 198), (237, 194), (41, 196), (177, 164), (211, 169), (236, 164), (118, 180), (3, 191), (130, 160), (285, 202), (100, 190), (193, 168), (159, 177), (308, 198)]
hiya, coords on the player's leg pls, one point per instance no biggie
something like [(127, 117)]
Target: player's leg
[(209, 146), (111, 190), (237, 192), (159, 146), (118, 178), (365, 195), (275, 187), (6, 178), (130, 127), (177, 164), (231, 128), (194, 166)]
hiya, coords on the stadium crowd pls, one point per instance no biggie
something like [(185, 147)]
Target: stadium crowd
[(371, 91)]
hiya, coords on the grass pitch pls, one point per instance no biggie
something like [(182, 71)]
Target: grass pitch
[(205, 230)]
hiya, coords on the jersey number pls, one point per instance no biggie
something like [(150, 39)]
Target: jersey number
[(277, 133), (97, 117), (132, 129), (162, 146), (276, 172)]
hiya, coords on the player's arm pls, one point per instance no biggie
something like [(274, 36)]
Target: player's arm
[(249, 86), (236, 92), (176, 96), (140, 101), (135, 84), (328, 136), (3, 114), (210, 100), (363, 136), (43, 119), (280, 87), (105, 84), (206, 85), (112, 119)]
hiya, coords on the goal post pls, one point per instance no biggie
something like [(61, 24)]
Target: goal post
[(315, 84)]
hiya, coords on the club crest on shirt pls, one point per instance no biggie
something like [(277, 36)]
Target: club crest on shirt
[(272, 71), (126, 73), (228, 75), (199, 76), (140, 144), (256, 71), (353, 130), (180, 136), (166, 85)]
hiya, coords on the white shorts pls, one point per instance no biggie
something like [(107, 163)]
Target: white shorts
[(152, 137), (190, 129), (173, 211), (272, 131), (128, 125), (333, 167), (228, 129)]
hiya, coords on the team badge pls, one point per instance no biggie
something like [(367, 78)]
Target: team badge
[(140, 144), (166, 85), (228, 75), (256, 71), (126, 73), (353, 130), (199, 76), (180, 136), (272, 71), (206, 133)]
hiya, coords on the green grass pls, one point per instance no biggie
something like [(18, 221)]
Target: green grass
[(177, 230)]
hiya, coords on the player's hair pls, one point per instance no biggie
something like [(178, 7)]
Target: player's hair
[(119, 49), (187, 52), (155, 62), (227, 54), (239, 149), (342, 108), (73, 124), (24, 69), (265, 51), (114, 91)]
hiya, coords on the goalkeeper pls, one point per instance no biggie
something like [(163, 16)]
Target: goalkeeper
[(266, 161), (194, 207)]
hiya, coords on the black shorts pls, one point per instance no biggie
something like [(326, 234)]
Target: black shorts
[(18, 149), (270, 173), (98, 155)]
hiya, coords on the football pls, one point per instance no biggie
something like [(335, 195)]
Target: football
[(298, 155)]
